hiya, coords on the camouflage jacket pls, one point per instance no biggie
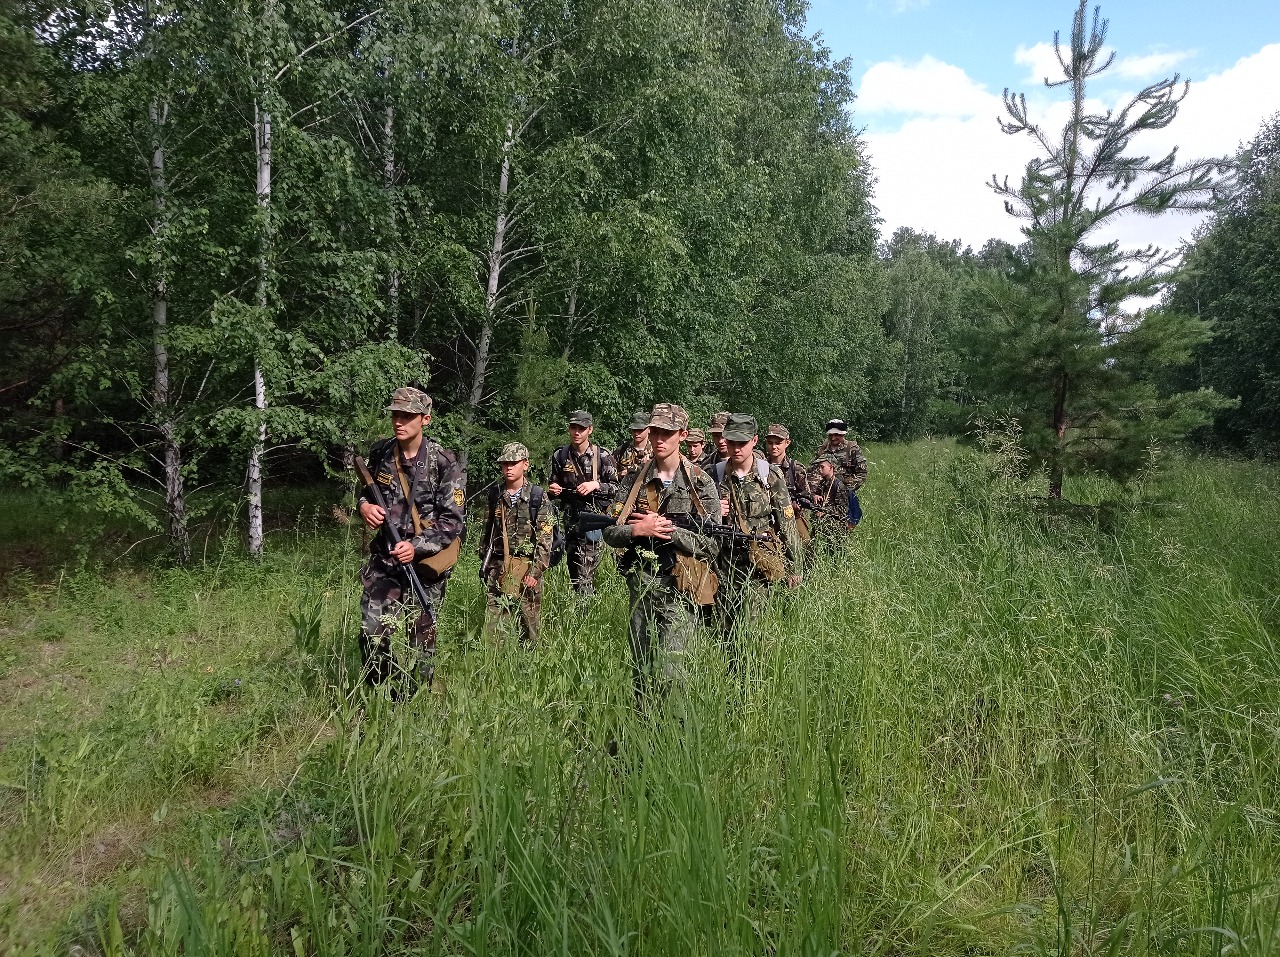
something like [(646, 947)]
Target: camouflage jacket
[(835, 499), (569, 470), (709, 458), (674, 499), (528, 536), (796, 478), (630, 458), (437, 486), (760, 500), (852, 467)]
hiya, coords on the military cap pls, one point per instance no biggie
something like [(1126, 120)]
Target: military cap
[(740, 427), (513, 452), (669, 416), (639, 421), (777, 431), (837, 426), (581, 417), (828, 458), (717, 422), (696, 435), (411, 400)]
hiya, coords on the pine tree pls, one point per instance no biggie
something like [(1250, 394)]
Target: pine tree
[(1061, 354)]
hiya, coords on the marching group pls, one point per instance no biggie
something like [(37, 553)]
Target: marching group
[(703, 525)]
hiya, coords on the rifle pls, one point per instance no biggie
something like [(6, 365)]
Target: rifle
[(427, 610), (809, 503), (590, 521)]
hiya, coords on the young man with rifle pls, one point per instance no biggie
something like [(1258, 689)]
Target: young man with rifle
[(851, 466), (663, 521), (754, 500), (777, 440), (636, 453), (412, 493), (515, 547), (582, 477)]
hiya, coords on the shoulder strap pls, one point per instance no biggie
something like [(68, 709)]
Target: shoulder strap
[(535, 503), (595, 463), (408, 497), (630, 504), (698, 508)]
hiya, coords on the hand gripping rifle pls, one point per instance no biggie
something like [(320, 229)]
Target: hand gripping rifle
[(588, 521), (424, 603)]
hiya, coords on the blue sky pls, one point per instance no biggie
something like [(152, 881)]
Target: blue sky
[(929, 74)]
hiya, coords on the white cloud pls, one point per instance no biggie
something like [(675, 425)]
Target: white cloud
[(944, 143), (1152, 66), (1042, 60), (926, 88)]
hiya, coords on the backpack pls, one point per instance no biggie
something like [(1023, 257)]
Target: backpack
[(536, 499)]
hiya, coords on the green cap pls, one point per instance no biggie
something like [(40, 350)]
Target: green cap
[(411, 400), (639, 422), (513, 452), (740, 427), (581, 417)]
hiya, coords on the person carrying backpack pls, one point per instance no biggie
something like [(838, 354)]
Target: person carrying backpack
[(516, 547)]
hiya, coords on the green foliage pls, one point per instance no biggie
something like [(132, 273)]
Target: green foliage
[(1058, 350), (1232, 280)]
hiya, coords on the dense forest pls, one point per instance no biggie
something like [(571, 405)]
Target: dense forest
[(228, 229)]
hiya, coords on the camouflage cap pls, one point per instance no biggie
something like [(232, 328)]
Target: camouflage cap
[(777, 431), (669, 416), (740, 427), (513, 452), (581, 417), (838, 426), (717, 422), (826, 458), (411, 400), (639, 421), (697, 435)]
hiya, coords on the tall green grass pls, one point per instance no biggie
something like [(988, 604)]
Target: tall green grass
[(982, 727)]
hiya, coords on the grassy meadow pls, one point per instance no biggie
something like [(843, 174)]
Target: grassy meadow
[(980, 728)]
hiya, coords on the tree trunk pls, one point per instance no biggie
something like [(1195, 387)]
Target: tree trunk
[(906, 365), (389, 182), (1060, 429), (175, 507), (262, 137)]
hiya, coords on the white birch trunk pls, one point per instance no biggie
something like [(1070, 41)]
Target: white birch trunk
[(389, 181), (175, 506), (496, 253), (262, 137)]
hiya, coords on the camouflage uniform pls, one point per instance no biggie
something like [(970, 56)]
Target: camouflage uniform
[(569, 469), (851, 467), (711, 456), (760, 502), (659, 612), (629, 456), (832, 522), (437, 487), (527, 537)]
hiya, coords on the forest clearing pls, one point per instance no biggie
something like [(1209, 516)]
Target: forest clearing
[(987, 726)]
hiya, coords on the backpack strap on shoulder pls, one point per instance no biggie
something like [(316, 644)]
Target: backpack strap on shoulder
[(762, 470), (720, 470)]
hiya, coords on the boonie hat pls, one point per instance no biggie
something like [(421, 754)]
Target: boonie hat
[(777, 431), (581, 417), (717, 422), (669, 416), (740, 427), (696, 435), (837, 426), (513, 452), (639, 421), (411, 400)]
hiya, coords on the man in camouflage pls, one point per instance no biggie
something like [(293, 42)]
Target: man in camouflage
[(777, 442), (663, 617), (716, 451), (424, 490), (515, 547), (753, 498), (632, 455), (582, 477), (696, 443), (850, 465), (831, 518)]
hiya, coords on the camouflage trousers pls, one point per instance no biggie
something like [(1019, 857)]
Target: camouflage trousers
[(583, 558), (661, 630), (739, 604), (503, 611), (387, 598)]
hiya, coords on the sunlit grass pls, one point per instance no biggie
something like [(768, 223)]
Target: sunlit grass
[(981, 728)]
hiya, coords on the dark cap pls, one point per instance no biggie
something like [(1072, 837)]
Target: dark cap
[(411, 400), (717, 422), (777, 431), (669, 416), (838, 426), (740, 427), (581, 417), (639, 422)]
